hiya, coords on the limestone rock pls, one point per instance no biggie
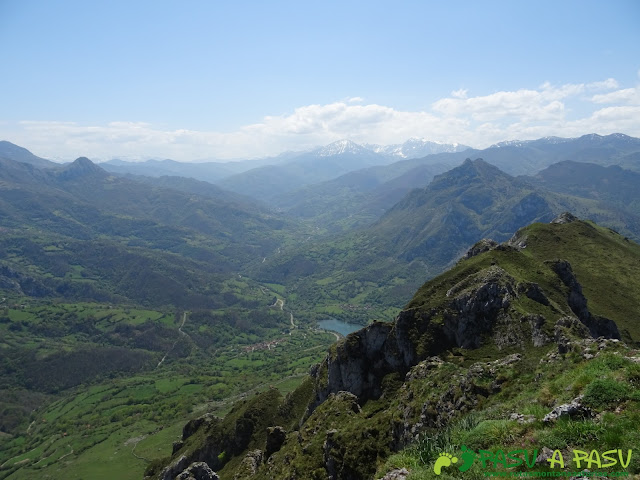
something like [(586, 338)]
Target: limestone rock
[(330, 463), (544, 455), (538, 335), (522, 419), (192, 426), (175, 468), (482, 246), (396, 474), (565, 217), (575, 409), (249, 465), (198, 471)]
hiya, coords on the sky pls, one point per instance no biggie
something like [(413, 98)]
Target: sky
[(202, 80)]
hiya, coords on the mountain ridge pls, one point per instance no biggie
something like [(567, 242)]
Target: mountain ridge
[(505, 308)]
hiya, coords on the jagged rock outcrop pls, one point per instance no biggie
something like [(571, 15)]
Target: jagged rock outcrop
[(482, 246), (538, 336), (330, 462), (359, 362), (478, 303), (175, 468), (198, 471), (249, 465), (478, 310), (465, 390), (192, 426), (566, 331), (565, 217)]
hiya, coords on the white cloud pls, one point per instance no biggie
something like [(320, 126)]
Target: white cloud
[(628, 95), (566, 110), (462, 93)]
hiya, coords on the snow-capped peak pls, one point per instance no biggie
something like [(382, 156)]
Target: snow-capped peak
[(340, 147), (417, 147)]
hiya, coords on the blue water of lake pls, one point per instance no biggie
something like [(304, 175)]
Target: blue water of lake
[(335, 325)]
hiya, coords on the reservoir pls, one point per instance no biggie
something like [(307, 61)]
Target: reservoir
[(335, 325)]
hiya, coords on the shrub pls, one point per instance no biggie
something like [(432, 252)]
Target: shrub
[(605, 393)]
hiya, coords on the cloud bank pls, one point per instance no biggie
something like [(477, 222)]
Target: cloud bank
[(568, 110)]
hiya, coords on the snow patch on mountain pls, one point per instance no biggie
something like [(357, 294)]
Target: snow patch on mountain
[(416, 147), (340, 148)]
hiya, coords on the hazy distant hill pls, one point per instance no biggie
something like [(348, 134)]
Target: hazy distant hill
[(359, 197), (326, 163), (529, 157), (197, 187), (613, 184), (426, 231), (155, 245), (19, 154)]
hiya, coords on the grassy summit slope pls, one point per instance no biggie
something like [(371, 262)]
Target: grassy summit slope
[(604, 262), (511, 328)]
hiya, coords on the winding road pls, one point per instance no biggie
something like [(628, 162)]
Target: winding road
[(184, 319), (280, 303)]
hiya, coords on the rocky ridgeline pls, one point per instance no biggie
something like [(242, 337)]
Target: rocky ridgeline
[(324, 432)]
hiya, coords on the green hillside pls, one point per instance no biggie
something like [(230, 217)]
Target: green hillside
[(361, 275), (478, 358)]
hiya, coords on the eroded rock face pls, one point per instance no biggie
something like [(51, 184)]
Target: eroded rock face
[(538, 335), (175, 468), (478, 311), (192, 426), (364, 357), (567, 330), (331, 464), (477, 303)]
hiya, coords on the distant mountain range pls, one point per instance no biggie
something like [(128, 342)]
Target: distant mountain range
[(13, 152), (430, 228), (150, 244), (359, 197), (378, 229), (416, 148)]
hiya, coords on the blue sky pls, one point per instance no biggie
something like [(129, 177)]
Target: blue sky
[(209, 79)]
